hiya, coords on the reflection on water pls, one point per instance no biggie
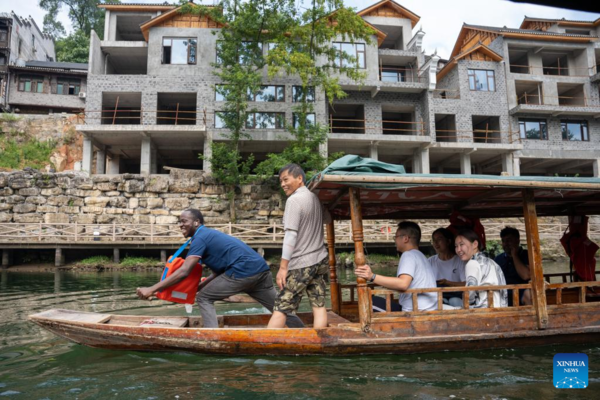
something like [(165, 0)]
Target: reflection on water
[(35, 364)]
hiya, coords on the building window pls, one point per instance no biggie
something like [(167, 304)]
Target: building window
[(482, 80), (533, 129), (31, 84), (298, 92), (354, 50), (3, 59), (310, 120), (574, 130), (268, 94), (68, 87), (265, 120), (247, 48), (221, 92), (3, 35), (179, 51), (220, 119)]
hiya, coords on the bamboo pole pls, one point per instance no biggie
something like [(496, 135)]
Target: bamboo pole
[(333, 282), (535, 258), (364, 303)]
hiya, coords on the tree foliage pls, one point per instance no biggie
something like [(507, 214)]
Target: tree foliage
[(299, 42), (84, 15), (73, 48)]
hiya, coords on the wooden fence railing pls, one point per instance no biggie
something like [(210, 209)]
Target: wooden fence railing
[(374, 232)]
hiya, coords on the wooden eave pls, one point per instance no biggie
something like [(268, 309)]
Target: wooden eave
[(380, 35), (145, 27), (133, 7), (518, 35), (478, 48), (414, 18), (575, 24)]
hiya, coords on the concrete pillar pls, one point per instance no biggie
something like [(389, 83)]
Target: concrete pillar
[(425, 161), (88, 155), (153, 159), (163, 256), (59, 257), (373, 152), (596, 164), (114, 165), (517, 166), (146, 159), (116, 255), (465, 164), (6, 258), (206, 166), (101, 162), (57, 280), (507, 164), (416, 162)]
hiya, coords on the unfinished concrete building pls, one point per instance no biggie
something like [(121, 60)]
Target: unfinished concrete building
[(512, 101)]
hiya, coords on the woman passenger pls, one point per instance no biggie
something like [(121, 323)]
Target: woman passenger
[(449, 268), (480, 271)]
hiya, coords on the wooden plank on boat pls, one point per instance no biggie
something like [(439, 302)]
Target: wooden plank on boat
[(364, 301), (74, 316)]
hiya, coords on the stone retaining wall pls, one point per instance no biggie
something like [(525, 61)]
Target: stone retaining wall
[(31, 197)]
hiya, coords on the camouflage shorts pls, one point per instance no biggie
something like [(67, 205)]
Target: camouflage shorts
[(311, 279)]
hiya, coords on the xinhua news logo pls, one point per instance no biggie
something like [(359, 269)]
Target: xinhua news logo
[(570, 371)]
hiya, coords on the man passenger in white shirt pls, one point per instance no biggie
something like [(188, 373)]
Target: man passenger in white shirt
[(414, 271)]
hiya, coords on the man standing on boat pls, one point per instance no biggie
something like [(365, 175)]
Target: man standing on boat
[(514, 262), (414, 271), (235, 268), (304, 262)]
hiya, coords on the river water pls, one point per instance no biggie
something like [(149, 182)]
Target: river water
[(35, 364)]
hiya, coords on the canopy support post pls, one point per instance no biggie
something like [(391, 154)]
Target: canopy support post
[(364, 303), (333, 282), (535, 258)]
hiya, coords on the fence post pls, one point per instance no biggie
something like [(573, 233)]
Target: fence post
[(40, 233), (114, 233), (230, 231), (274, 231), (76, 231), (151, 232)]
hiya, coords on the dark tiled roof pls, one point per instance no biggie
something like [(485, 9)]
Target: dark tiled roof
[(58, 65), (528, 31)]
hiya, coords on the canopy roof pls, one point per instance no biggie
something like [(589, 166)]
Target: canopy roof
[(396, 195)]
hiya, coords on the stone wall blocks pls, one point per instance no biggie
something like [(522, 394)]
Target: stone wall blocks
[(56, 218), (201, 204), (55, 191), (144, 219), (120, 202), (213, 189), (166, 219), (151, 203), (92, 210), (64, 182), (116, 211), (220, 206), (116, 178), (216, 220), (24, 208), (32, 191), (20, 183), (35, 200), (69, 209), (145, 195), (176, 213), (177, 203), (100, 178), (137, 177), (112, 193), (134, 202), (28, 218), (159, 212), (5, 207), (45, 180), (47, 209), (58, 200), (85, 218), (97, 201), (183, 186), (142, 211), (157, 183), (83, 183), (5, 217), (3, 179), (6, 191), (131, 186), (246, 205), (106, 186)]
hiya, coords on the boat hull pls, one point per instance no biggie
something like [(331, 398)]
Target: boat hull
[(346, 339)]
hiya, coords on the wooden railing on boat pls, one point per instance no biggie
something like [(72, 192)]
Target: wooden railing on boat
[(373, 232)]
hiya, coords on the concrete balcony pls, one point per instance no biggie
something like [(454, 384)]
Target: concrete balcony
[(555, 110)]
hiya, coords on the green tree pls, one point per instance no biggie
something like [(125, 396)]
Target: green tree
[(73, 48), (84, 15), (299, 44)]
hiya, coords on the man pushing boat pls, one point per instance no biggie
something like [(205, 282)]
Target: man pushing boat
[(236, 268)]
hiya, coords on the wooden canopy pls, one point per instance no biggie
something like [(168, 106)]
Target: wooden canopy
[(437, 196)]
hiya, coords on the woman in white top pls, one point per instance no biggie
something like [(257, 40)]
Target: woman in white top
[(480, 271), (449, 268)]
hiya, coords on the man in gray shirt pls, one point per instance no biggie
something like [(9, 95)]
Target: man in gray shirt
[(304, 263)]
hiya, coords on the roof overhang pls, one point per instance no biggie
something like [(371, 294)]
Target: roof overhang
[(478, 48), (136, 7), (414, 18)]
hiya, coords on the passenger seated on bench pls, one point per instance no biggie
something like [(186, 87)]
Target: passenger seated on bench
[(480, 270), (414, 272), (514, 263), (449, 268)]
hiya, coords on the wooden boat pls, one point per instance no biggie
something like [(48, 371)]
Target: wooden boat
[(563, 312)]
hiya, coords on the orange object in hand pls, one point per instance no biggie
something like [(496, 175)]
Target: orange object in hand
[(183, 292)]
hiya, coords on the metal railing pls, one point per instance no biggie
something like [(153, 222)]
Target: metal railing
[(555, 71), (374, 232), (400, 74), (477, 135), (539, 100), (381, 126)]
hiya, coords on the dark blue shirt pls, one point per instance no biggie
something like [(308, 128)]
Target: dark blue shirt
[(508, 267), (225, 254)]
